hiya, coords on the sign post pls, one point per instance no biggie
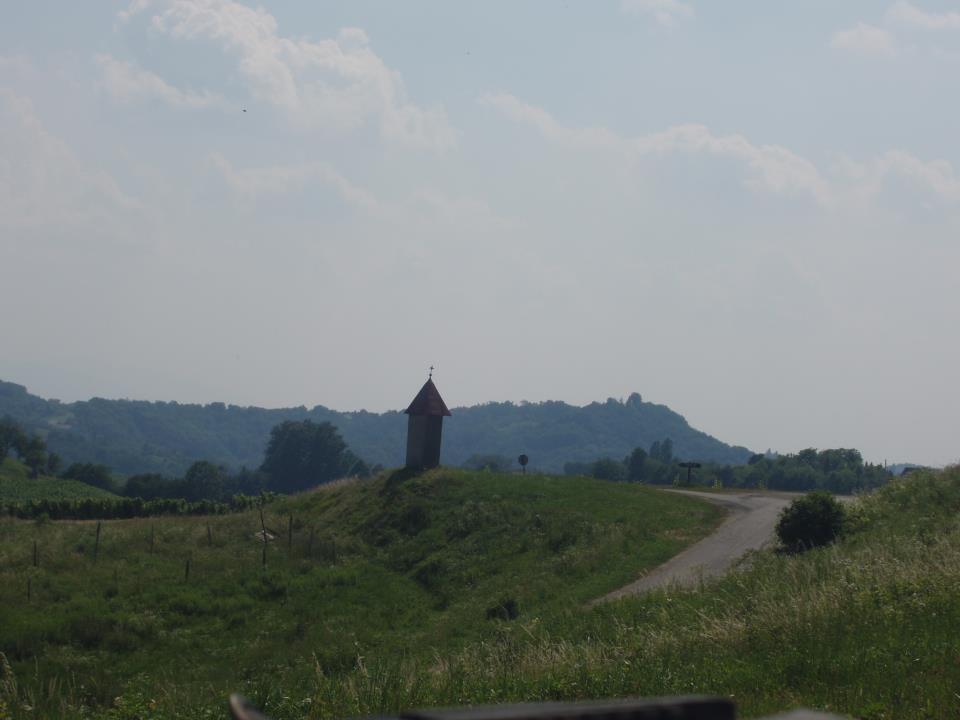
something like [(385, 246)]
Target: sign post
[(523, 460), (689, 466)]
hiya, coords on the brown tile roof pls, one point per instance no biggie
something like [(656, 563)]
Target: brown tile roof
[(428, 402)]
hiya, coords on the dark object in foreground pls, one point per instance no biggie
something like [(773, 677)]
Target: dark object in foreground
[(812, 520), (676, 708)]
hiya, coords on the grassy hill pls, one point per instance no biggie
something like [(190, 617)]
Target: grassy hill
[(371, 574), (166, 437), (17, 485)]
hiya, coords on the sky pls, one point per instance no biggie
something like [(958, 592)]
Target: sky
[(748, 211)]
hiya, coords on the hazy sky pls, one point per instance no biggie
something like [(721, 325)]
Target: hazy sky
[(749, 211)]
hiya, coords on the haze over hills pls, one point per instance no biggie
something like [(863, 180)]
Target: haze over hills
[(139, 436)]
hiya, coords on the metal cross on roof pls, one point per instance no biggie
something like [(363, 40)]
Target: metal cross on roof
[(431, 372)]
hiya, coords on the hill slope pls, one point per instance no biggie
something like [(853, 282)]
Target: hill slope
[(16, 485), (398, 566), (137, 436)]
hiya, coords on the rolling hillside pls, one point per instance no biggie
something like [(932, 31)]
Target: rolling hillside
[(178, 611), (16, 485), (137, 436)]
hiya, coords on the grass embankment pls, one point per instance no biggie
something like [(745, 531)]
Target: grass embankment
[(381, 576), (16, 485), (869, 626)]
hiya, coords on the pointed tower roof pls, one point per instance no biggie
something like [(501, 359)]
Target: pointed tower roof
[(428, 402)]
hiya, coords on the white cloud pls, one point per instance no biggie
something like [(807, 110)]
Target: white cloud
[(906, 13), (125, 82), (665, 12), (42, 181), (865, 39), (935, 176), (774, 168), (337, 83), (280, 179)]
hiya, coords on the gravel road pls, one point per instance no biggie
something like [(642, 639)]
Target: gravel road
[(749, 525)]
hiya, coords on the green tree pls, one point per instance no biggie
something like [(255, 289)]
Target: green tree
[(662, 450), (636, 465), (91, 474), (34, 455), (608, 469), (204, 481), (666, 451), (812, 520), (655, 450), (53, 463), (151, 485), (302, 454), (12, 437)]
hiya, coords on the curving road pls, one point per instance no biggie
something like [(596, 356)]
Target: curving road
[(749, 526)]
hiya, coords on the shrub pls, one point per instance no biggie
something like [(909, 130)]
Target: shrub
[(810, 521), (506, 609)]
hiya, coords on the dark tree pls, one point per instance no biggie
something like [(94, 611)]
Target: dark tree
[(149, 486), (204, 481), (12, 437), (300, 455), (608, 469), (91, 474), (655, 450), (662, 450), (34, 455), (53, 463), (636, 465), (666, 451)]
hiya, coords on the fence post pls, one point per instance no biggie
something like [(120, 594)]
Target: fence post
[(96, 545), (263, 530)]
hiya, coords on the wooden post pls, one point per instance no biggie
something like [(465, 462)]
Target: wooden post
[(151, 538), (96, 545), (290, 534), (186, 570), (310, 544), (36, 555), (263, 530), (209, 536)]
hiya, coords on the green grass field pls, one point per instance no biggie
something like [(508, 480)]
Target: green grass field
[(389, 611), (395, 572), (16, 485)]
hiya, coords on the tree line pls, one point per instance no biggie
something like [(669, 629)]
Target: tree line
[(299, 455), (840, 470)]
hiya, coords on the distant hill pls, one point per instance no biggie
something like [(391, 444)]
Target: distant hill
[(16, 485), (133, 436)]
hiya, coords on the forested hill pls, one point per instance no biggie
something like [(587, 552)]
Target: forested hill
[(137, 436)]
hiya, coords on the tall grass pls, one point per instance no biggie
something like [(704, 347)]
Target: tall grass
[(869, 626), (380, 578)]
